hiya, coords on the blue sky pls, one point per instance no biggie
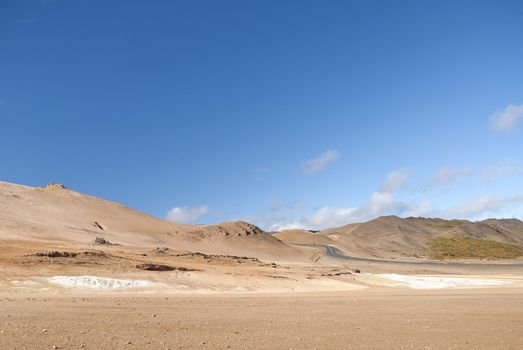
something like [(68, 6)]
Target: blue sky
[(284, 113)]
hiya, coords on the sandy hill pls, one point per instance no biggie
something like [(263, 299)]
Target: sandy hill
[(303, 237), (64, 217), (394, 237), (59, 216)]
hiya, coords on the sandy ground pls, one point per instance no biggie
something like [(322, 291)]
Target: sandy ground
[(161, 285), (103, 301), (374, 318)]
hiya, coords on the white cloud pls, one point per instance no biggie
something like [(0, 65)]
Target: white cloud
[(446, 175), (319, 163), (186, 214), (277, 215), (382, 202), (385, 202), (423, 209), (501, 169), (395, 180), (480, 207), (329, 217), (506, 119), (379, 204), (287, 225)]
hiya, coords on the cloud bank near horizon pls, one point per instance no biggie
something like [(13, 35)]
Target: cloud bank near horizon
[(385, 201), (394, 196)]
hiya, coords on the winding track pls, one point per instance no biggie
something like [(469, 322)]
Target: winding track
[(333, 252)]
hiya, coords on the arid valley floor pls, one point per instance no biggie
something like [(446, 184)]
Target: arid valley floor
[(78, 272), (375, 318)]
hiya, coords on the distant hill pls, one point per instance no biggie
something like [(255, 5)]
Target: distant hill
[(63, 217), (394, 237), (391, 237), (303, 236)]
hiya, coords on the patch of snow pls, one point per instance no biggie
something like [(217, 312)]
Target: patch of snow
[(100, 283), (438, 282)]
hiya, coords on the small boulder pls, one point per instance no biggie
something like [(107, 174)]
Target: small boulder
[(155, 267), (99, 226), (57, 254), (101, 241), (52, 185), (161, 250)]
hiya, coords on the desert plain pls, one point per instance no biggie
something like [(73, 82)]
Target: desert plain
[(80, 272)]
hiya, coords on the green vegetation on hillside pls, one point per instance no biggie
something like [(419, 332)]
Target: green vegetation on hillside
[(460, 247)]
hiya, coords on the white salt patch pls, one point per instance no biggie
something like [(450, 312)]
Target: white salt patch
[(432, 282), (101, 283)]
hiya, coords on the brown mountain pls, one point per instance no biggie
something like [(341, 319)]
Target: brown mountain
[(394, 237), (63, 217)]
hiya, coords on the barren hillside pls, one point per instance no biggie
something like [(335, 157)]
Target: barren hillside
[(63, 217), (394, 237)]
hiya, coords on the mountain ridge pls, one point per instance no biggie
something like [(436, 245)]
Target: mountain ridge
[(63, 216)]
